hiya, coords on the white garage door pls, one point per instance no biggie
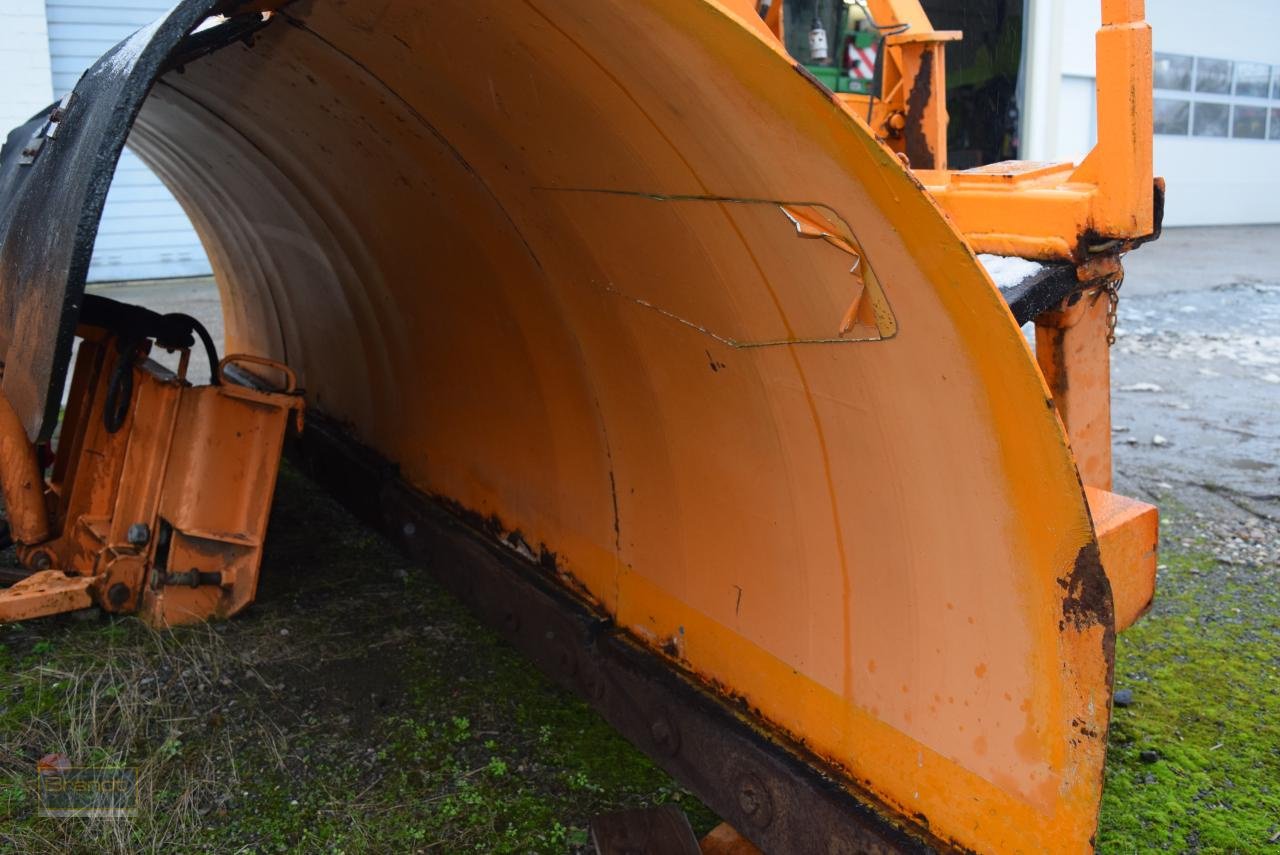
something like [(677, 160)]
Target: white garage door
[(144, 233)]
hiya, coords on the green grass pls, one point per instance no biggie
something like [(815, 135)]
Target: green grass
[(358, 708), (1204, 668)]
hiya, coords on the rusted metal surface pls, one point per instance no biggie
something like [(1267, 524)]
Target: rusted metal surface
[(775, 792), (909, 113), (922, 151)]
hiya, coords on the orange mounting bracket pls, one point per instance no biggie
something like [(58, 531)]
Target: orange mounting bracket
[(1058, 211), (158, 496)]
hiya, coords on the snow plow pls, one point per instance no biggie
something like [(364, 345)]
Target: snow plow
[(703, 384)]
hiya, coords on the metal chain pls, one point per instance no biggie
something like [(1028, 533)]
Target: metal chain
[(1112, 290), (1113, 310)]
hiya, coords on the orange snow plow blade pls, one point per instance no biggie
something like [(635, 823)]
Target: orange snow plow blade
[(662, 356)]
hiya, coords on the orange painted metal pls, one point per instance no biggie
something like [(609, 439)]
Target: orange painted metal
[(1074, 353), (643, 293), (47, 592), (911, 114), (895, 13), (725, 840), (20, 481), (1121, 163), (1061, 212), (569, 296), (775, 20), (1128, 537), (1072, 349), (182, 488), (1048, 212)]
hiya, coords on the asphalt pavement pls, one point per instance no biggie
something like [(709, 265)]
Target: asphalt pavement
[(1195, 372)]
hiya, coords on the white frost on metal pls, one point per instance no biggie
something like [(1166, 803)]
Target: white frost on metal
[(209, 23), (1007, 271), (127, 54)]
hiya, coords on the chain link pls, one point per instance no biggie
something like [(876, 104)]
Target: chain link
[(1113, 310), (1112, 290)]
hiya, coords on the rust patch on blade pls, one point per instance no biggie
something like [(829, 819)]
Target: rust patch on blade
[(1088, 603), (918, 150), (1088, 592)]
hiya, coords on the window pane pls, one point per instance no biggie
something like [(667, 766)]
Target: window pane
[(1173, 72), (1274, 132), (1213, 75), (1249, 123), (1275, 82), (1211, 120), (1252, 79), (1172, 116)]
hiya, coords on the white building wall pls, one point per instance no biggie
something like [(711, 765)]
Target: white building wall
[(144, 233), (25, 86), (1211, 181)]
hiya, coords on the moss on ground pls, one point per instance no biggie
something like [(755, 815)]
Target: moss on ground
[(1194, 764), (359, 708), (356, 707)]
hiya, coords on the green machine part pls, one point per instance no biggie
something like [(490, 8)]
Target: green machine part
[(839, 79)]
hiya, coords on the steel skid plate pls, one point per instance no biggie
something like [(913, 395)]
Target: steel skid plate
[(618, 276)]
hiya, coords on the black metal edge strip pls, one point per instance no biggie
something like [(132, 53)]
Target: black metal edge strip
[(197, 45), (774, 792), (1043, 290), (57, 199)]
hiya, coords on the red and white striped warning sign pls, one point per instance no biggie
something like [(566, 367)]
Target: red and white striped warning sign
[(860, 61)]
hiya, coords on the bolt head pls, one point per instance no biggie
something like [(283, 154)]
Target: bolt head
[(139, 534), (118, 595)]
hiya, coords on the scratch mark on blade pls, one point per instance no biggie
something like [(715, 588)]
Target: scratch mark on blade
[(725, 340)]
